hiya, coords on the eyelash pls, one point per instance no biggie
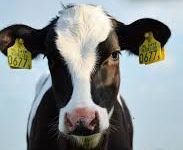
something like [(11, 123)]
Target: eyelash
[(115, 55)]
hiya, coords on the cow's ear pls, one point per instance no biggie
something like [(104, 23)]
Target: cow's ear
[(33, 38), (132, 36)]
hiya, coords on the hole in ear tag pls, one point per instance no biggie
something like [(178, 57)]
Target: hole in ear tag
[(150, 51), (18, 56)]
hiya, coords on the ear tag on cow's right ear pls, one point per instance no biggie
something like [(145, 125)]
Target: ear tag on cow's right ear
[(18, 56), (150, 51)]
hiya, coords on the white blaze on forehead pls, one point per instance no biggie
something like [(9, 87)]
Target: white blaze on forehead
[(79, 31)]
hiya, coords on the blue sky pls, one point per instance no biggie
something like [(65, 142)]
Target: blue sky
[(153, 93)]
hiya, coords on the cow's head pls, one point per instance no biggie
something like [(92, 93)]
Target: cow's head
[(83, 46)]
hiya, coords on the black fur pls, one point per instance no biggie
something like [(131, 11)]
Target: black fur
[(132, 36)]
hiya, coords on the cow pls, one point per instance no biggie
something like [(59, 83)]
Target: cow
[(77, 104)]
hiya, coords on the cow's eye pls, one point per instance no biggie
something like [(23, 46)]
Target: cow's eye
[(115, 55)]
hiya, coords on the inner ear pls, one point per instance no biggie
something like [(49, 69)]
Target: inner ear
[(33, 39), (132, 36)]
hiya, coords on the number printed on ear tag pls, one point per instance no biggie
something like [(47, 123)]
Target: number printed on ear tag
[(150, 51), (18, 56)]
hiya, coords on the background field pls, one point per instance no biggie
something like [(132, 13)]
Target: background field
[(153, 93)]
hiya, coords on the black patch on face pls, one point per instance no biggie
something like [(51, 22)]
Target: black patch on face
[(106, 77), (61, 78)]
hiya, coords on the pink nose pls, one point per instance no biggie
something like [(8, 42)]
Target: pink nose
[(81, 119)]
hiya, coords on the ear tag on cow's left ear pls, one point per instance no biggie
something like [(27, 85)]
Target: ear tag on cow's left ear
[(150, 51), (18, 56)]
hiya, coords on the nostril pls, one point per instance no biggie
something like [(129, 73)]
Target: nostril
[(95, 121), (68, 121)]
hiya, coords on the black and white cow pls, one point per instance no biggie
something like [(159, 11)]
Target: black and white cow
[(78, 105)]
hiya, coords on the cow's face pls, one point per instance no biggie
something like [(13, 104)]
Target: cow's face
[(85, 70), (83, 46)]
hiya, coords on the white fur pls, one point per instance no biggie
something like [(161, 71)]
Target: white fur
[(79, 31), (43, 84), (88, 142), (111, 112), (119, 100)]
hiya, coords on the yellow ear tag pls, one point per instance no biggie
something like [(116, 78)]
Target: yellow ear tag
[(150, 51), (18, 56)]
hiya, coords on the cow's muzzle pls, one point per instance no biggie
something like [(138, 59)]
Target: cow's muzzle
[(82, 122)]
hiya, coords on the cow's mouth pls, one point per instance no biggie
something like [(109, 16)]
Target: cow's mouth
[(84, 131), (88, 142)]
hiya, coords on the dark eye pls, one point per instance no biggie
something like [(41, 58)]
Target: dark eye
[(115, 55)]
